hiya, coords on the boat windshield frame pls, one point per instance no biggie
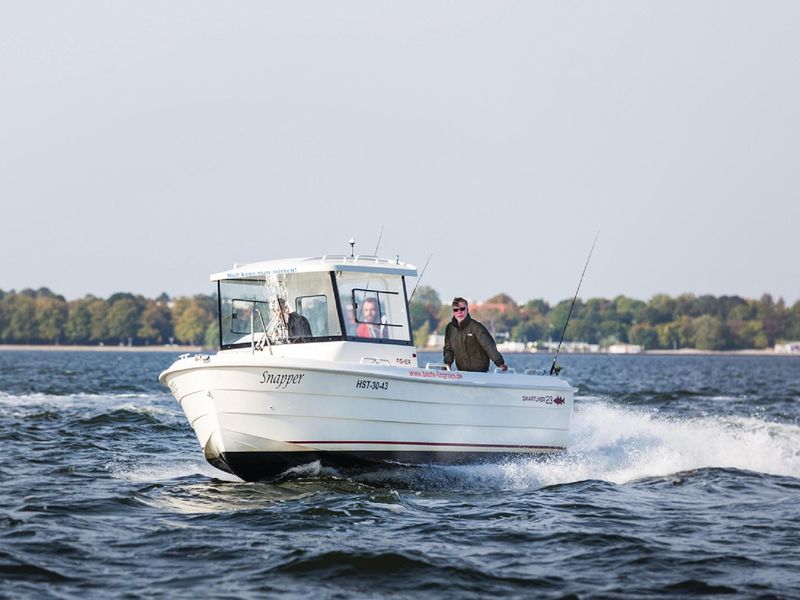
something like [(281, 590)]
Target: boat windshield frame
[(260, 308), (384, 298)]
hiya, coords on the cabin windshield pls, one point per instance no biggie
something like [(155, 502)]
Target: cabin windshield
[(289, 308), (374, 307)]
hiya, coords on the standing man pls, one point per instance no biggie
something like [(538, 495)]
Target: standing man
[(468, 342)]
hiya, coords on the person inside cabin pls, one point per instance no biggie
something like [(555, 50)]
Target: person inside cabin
[(297, 326), (370, 324), (468, 342), (350, 323)]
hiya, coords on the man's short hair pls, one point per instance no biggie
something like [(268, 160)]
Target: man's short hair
[(459, 300)]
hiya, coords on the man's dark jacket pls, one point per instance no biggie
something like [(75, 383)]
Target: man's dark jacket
[(299, 330), (471, 345)]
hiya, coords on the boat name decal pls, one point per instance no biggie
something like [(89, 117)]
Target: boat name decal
[(435, 374), (371, 384), (558, 400), (281, 381), (403, 361)]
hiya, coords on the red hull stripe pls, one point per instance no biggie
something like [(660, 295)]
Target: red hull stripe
[(442, 444)]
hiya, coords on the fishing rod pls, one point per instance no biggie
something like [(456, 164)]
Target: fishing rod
[(420, 278), (555, 368)]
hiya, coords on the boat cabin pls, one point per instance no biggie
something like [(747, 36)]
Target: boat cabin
[(311, 300)]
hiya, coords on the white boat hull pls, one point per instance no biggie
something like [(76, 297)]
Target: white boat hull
[(257, 416)]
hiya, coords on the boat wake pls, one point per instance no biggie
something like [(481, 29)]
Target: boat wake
[(621, 444)]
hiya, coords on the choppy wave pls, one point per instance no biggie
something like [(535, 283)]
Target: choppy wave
[(71, 399)]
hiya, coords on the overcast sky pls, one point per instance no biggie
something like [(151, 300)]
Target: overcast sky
[(144, 145)]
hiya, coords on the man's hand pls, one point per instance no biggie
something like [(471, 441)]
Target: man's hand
[(504, 367)]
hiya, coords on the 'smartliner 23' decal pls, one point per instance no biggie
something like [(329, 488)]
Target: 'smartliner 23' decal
[(558, 400)]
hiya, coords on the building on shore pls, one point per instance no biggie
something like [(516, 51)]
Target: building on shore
[(624, 349), (568, 347), (788, 348), (435, 340), (509, 347)]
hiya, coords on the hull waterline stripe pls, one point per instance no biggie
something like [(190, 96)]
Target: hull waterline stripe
[(440, 444)]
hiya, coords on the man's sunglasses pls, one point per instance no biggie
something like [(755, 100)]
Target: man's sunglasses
[(459, 309)]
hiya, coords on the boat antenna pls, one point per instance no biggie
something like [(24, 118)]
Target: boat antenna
[(379, 242), (410, 298), (555, 368), (352, 243)]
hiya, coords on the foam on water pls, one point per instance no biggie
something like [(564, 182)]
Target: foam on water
[(623, 444), (148, 409), (168, 470), (69, 400)]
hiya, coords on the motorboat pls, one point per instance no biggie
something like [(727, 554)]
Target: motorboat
[(317, 364)]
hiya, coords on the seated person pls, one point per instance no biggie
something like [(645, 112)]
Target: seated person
[(370, 326), (350, 324), (297, 326)]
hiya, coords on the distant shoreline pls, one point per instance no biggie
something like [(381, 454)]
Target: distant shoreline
[(184, 349), (68, 348), (681, 352), (693, 351)]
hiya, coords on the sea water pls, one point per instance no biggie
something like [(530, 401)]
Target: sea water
[(682, 479)]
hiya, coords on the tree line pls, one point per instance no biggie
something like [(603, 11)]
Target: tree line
[(687, 321), (42, 317), (663, 322)]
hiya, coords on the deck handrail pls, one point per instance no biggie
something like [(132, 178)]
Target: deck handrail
[(437, 366), (374, 360)]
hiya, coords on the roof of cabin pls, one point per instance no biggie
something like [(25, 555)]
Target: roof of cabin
[(329, 262)]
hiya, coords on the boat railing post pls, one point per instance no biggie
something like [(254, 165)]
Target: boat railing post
[(375, 360), (438, 366), (252, 332), (535, 371), (509, 370)]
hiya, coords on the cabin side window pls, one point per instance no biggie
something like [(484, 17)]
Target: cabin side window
[(289, 308), (243, 310), (374, 307)]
